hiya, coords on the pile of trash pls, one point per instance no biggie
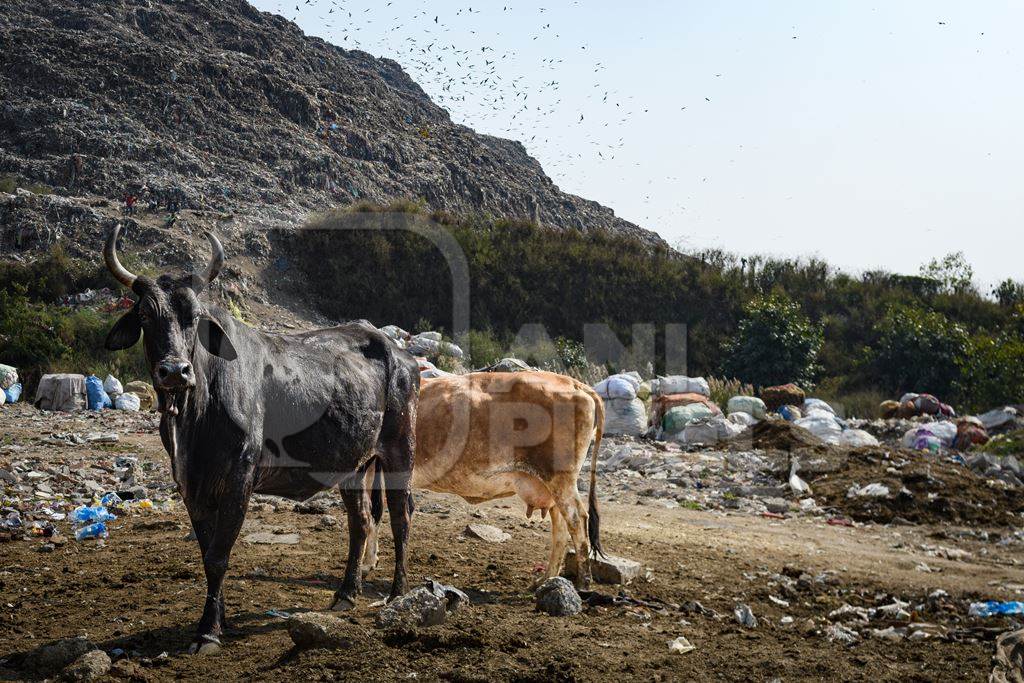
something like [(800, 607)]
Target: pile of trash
[(663, 474), (10, 387), (67, 392), (624, 409), (64, 479), (429, 345)]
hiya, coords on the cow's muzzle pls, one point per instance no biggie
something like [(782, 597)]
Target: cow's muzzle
[(175, 374)]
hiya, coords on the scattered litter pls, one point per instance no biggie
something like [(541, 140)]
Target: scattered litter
[(745, 616), (681, 646)]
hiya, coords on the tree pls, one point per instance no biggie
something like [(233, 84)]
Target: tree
[(1009, 293), (953, 272), (775, 343), (918, 350)]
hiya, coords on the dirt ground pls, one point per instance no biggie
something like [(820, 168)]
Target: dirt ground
[(142, 591)]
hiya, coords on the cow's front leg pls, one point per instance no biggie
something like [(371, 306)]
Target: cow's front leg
[(357, 504), (219, 539)]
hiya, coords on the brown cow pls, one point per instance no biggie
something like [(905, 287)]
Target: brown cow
[(489, 435)]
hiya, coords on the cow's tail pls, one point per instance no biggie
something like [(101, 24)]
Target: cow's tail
[(593, 516), (377, 492)]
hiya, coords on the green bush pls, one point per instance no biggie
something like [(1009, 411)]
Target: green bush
[(918, 350), (775, 343), (992, 373), (483, 348)]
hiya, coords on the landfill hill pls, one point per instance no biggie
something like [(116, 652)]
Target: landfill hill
[(233, 118)]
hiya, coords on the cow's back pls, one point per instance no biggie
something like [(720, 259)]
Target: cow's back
[(470, 429)]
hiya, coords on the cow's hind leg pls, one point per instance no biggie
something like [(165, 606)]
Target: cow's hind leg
[(357, 504), (397, 462), (559, 542), (572, 508)]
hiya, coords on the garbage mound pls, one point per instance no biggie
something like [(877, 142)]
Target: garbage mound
[(782, 435), (879, 486)]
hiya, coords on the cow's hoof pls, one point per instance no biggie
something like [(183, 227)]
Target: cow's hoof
[(206, 645), (365, 569), (343, 604)]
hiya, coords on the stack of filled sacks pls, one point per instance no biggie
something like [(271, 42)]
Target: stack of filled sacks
[(912, 405), (683, 409), (624, 411)]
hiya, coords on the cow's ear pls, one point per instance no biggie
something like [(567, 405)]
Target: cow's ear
[(214, 339), (125, 332)]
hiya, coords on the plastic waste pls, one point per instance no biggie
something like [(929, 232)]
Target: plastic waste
[(88, 515), (8, 376), (817, 404), (96, 397), (991, 608), (97, 530), (857, 438), (677, 418), (680, 384), (625, 416), (680, 646), (623, 385), (745, 615), (789, 413), (112, 386), (111, 500), (798, 485), (127, 402), (747, 404), (3, 397), (13, 393)]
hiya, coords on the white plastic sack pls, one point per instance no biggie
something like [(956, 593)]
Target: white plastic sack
[(623, 385), (750, 405), (8, 376), (624, 416), (433, 336), (823, 426), (998, 417), (112, 386), (3, 398), (395, 332), (857, 438), (430, 371), (813, 404), (680, 384), (742, 419), (908, 397), (945, 432), (127, 402), (709, 431)]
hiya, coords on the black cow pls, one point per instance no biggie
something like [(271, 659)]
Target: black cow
[(290, 415)]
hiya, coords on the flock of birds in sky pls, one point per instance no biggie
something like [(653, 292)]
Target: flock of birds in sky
[(455, 56), (477, 83)]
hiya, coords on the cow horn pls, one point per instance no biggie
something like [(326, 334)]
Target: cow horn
[(216, 260), (110, 256)]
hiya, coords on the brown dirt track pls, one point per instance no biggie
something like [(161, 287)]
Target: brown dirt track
[(143, 590)]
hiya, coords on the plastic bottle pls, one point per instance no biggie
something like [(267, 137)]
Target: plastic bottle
[(87, 515), (111, 499), (98, 530)]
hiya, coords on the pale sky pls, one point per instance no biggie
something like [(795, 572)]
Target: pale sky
[(871, 134)]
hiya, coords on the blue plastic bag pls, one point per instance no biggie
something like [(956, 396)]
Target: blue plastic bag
[(97, 398), (991, 608), (13, 393)]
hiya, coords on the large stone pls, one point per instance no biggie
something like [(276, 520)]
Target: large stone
[(1008, 660), (317, 630), (89, 667), (608, 569), (557, 597), (418, 607), (51, 658), (486, 532)]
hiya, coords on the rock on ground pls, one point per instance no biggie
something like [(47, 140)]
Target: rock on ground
[(1008, 660), (418, 607), (557, 598), (49, 659), (610, 569), (317, 630), (88, 667), (486, 532)]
